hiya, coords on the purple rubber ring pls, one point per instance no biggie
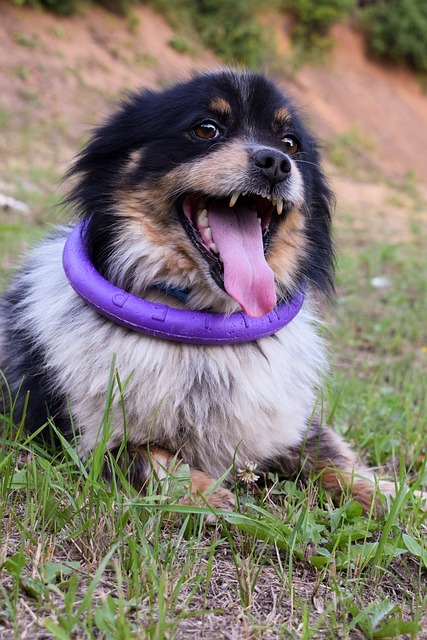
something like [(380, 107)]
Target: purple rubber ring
[(159, 320)]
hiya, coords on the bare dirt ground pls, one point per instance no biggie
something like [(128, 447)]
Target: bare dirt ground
[(63, 75), (384, 104)]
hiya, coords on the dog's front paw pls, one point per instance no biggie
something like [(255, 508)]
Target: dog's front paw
[(390, 489), (364, 492), (203, 493), (223, 499)]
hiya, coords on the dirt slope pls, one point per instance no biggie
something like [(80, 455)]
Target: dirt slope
[(69, 70), (385, 104), (69, 66)]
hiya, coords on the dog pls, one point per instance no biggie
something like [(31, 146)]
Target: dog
[(206, 199)]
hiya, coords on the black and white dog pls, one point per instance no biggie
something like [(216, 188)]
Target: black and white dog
[(207, 197)]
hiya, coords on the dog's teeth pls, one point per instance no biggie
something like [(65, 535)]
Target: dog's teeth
[(202, 219), (268, 196), (208, 233), (279, 205), (233, 198), (213, 248), (259, 220)]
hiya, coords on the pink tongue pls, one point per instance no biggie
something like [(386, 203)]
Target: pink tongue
[(247, 277)]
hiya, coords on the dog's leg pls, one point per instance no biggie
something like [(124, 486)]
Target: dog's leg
[(324, 454), (340, 471), (140, 464)]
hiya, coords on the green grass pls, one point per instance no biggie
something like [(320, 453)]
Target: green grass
[(19, 231), (92, 561), (383, 353), (32, 161), (352, 153)]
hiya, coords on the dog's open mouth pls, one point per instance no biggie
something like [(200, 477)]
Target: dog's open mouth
[(232, 234)]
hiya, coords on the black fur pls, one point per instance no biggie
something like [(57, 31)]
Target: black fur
[(26, 370)]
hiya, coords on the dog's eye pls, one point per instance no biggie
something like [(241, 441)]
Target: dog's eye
[(206, 130), (292, 145)]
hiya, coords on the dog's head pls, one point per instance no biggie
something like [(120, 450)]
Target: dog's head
[(214, 186)]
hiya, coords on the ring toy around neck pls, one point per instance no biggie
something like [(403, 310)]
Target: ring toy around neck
[(159, 320)]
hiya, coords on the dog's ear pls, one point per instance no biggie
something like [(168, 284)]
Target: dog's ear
[(319, 267), (97, 167)]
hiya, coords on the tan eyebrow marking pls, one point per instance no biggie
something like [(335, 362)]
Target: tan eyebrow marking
[(221, 106), (281, 118)]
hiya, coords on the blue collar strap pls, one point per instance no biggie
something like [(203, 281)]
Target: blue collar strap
[(181, 294)]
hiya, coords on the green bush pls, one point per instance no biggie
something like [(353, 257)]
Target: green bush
[(69, 7), (63, 8), (313, 19), (397, 31), (228, 27)]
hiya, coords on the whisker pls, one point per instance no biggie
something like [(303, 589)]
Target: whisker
[(306, 162)]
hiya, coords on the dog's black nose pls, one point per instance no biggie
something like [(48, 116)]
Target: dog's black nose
[(273, 164)]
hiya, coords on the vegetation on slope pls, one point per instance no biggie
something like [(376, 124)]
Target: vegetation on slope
[(395, 29)]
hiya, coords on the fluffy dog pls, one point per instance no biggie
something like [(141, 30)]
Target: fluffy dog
[(207, 196)]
